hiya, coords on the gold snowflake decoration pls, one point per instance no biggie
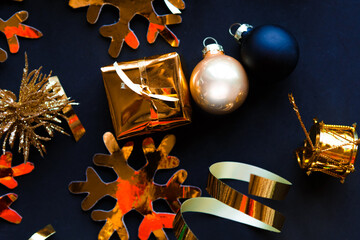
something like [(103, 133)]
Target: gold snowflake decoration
[(120, 31), (13, 28), (135, 189), (39, 105)]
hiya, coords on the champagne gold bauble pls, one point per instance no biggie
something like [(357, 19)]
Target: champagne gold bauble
[(218, 83)]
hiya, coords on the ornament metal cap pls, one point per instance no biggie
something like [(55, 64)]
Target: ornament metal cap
[(242, 28), (214, 47)]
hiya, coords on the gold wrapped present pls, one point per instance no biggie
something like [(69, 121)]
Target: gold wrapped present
[(147, 95)]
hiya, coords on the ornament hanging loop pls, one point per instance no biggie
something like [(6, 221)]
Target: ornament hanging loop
[(231, 28), (212, 47), (209, 38)]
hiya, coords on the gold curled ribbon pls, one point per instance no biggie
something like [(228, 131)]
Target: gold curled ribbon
[(72, 119), (233, 205), (44, 233)]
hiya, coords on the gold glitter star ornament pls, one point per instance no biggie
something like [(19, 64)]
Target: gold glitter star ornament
[(40, 104)]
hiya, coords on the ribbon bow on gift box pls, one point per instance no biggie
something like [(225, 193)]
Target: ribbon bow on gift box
[(142, 89)]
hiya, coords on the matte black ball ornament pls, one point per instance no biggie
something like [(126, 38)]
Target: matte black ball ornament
[(268, 51)]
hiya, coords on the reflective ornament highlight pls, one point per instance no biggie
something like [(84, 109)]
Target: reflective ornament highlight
[(135, 190), (218, 83), (230, 204), (268, 51), (120, 32), (12, 28), (330, 149)]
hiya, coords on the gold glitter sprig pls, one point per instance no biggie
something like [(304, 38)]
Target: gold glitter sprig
[(39, 105)]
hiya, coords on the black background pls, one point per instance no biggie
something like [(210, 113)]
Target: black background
[(263, 132)]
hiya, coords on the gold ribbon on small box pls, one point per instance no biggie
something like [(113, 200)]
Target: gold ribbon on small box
[(233, 205)]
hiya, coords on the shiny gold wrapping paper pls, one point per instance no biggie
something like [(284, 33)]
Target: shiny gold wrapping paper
[(135, 114)]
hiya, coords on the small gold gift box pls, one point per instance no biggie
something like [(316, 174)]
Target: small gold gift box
[(147, 95), (330, 149)]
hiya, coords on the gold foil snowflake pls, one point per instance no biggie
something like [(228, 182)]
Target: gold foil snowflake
[(120, 31), (135, 190), (13, 28), (39, 105)]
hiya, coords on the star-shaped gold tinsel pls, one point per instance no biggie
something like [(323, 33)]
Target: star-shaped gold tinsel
[(39, 105)]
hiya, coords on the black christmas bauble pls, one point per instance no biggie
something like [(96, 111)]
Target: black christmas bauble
[(269, 51)]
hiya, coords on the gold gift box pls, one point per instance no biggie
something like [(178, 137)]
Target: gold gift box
[(147, 95)]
